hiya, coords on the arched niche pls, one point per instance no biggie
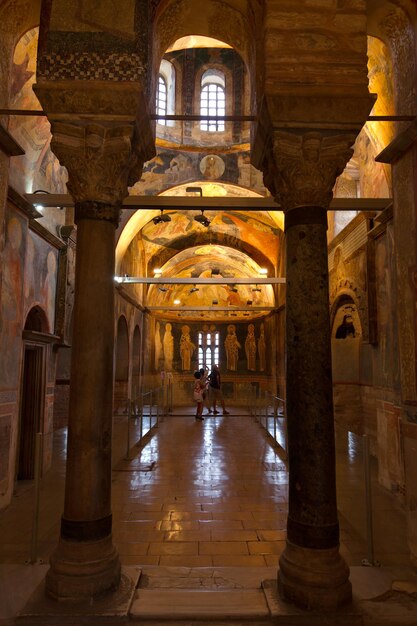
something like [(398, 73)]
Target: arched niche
[(121, 367), (346, 364), (136, 361), (122, 351), (37, 321)]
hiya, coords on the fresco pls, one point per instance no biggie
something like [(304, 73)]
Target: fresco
[(198, 262), (29, 279), (174, 167), (235, 229), (180, 349), (38, 168), (386, 363)]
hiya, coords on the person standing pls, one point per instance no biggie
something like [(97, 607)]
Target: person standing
[(204, 380), (198, 396), (216, 389)]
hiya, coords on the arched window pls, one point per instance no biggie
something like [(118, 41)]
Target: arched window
[(162, 99), (213, 99), (208, 349)]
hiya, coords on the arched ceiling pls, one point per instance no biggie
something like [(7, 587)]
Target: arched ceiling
[(236, 243)]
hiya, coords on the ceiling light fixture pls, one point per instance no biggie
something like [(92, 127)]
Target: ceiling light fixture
[(194, 289), (256, 288), (177, 302), (202, 219), (161, 218), (157, 272), (263, 271)]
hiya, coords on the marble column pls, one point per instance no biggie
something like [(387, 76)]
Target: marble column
[(98, 158), (304, 169)]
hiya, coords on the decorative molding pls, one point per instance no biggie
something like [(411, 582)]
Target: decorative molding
[(91, 210)]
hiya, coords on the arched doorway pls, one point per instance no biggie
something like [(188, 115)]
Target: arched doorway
[(32, 391), (121, 372)]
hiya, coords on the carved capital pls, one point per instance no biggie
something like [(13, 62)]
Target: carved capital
[(301, 169), (90, 210), (101, 159)]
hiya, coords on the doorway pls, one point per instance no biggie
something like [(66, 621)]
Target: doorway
[(31, 408)]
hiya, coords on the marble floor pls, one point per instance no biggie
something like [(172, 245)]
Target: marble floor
[(200, 494)]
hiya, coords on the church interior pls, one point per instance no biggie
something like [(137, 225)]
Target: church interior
[(188, 184)]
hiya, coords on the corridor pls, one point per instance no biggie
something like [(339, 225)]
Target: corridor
[(202, 505), (199, 494)]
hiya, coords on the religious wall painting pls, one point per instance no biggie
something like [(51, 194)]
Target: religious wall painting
[(232, 346), (12, 296), (158, 345), (168, 346), (262, 348), (174, 168), (346, 342), (187, 348), (250, 348), (38, 168), (387, 366)]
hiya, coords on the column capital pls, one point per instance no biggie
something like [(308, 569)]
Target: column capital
[(300, 168), (101, 159)]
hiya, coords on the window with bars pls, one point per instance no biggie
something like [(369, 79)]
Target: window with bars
[(208, 349), (213, 99), (162, 99)]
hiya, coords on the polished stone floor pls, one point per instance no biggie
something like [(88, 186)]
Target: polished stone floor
[(201, 494), (197, 495)]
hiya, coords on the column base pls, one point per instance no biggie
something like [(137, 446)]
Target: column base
[(314, 579), (83, 569)]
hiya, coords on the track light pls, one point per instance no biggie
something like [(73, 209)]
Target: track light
[(202, 219), (161, 218)]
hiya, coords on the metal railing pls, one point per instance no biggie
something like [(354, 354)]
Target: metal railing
[(269, 411)]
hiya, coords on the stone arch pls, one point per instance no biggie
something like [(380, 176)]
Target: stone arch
[(136, 361), (346, 363), (392, 22), (122, 350), (36, 320), (205, 237), (121, 366), (175, 19)]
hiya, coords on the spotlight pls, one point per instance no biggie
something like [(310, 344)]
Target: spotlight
[(256, 288), (163, 288), (202, 219), (233, 288), (161, 218), (194, 289)]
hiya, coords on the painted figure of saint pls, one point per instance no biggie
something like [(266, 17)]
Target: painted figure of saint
[(262, 349), (232, 346), (250, 348), (186, 348), (158, 344), (168, 348)]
